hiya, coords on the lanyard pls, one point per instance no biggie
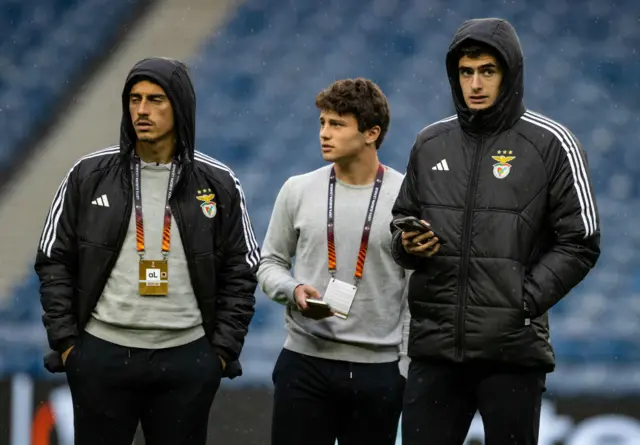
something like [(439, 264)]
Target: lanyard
[(364, 243), (166, 227)]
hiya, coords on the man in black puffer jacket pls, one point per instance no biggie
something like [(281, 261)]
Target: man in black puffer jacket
[(147, 265), (507, 193)]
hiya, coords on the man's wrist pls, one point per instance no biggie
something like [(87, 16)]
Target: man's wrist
[(291, 292)]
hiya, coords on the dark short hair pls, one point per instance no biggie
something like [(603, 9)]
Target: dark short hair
[(474, 49), (360, 97)]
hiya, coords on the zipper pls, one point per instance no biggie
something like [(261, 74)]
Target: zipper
[(466, 247)]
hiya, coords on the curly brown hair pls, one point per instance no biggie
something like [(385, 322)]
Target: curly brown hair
[(360, 97)]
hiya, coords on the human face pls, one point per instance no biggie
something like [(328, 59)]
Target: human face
[(340, 138), (480, 80), (151, 112)]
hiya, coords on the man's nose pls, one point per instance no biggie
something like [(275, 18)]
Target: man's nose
[(143, 108), (476, 82)]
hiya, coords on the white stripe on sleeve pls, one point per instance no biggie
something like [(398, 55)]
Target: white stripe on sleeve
[(580, 178)]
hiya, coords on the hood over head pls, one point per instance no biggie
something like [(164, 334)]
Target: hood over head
[(173, 76), (509, 106)]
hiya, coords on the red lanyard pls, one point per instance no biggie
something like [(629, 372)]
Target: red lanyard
[(364, 242), (166, 227)]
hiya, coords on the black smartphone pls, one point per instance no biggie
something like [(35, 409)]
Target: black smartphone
[(317, 309), (413, 224)]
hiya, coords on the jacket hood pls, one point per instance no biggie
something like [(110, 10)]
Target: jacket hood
[(509, 106), (173, 76)]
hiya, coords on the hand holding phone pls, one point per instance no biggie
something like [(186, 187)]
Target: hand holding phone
[(411, 224), (308, 301), (418, 238)]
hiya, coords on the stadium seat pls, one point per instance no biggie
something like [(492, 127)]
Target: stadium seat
[(45, 46)]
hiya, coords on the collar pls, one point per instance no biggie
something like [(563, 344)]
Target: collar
[(154, 165)]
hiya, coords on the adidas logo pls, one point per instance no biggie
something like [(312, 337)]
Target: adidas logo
[(442, 165), (101, 201)]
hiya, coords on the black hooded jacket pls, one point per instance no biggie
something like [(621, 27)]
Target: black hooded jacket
[(509, 192), (80, 243)]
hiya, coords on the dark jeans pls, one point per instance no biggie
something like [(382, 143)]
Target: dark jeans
[(169, 391), (441, 400), (317, 401)]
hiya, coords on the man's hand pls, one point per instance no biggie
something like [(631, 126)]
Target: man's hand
[(420, 244), (303, 292), (65, 354)]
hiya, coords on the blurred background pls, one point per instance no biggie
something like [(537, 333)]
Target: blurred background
[(257, 66)]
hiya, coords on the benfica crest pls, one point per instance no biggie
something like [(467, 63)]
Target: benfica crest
[(207, 205), (502, 169)]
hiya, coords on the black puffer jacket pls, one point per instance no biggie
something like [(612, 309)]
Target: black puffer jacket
[(509, 191), (80, 242)]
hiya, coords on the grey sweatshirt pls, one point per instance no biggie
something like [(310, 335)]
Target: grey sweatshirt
[(124, 317), (378, 318)]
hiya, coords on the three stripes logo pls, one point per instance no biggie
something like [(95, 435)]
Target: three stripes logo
[(101, 201), (442, 166)]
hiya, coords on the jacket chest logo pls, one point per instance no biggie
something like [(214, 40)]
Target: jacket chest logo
[(207, 204), (502, 169)]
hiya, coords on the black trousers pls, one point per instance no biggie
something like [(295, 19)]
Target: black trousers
[(441, 400), (168, 391), (317, 401)]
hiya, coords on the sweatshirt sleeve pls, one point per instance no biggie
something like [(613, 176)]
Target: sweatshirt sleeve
[(279, 247)]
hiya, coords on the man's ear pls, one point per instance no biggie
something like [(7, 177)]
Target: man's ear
[(372, 134)]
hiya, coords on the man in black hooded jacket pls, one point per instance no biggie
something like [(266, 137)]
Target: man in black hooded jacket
[(147, 264), (514, 227)]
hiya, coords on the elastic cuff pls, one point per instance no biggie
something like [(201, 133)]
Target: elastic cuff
[(290, 291)]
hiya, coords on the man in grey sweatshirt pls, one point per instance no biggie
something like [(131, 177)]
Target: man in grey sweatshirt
[(338, 375)]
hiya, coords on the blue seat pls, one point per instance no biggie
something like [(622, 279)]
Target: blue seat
[(44, 48)]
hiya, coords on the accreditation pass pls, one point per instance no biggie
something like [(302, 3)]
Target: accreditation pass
[(340, 295)]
